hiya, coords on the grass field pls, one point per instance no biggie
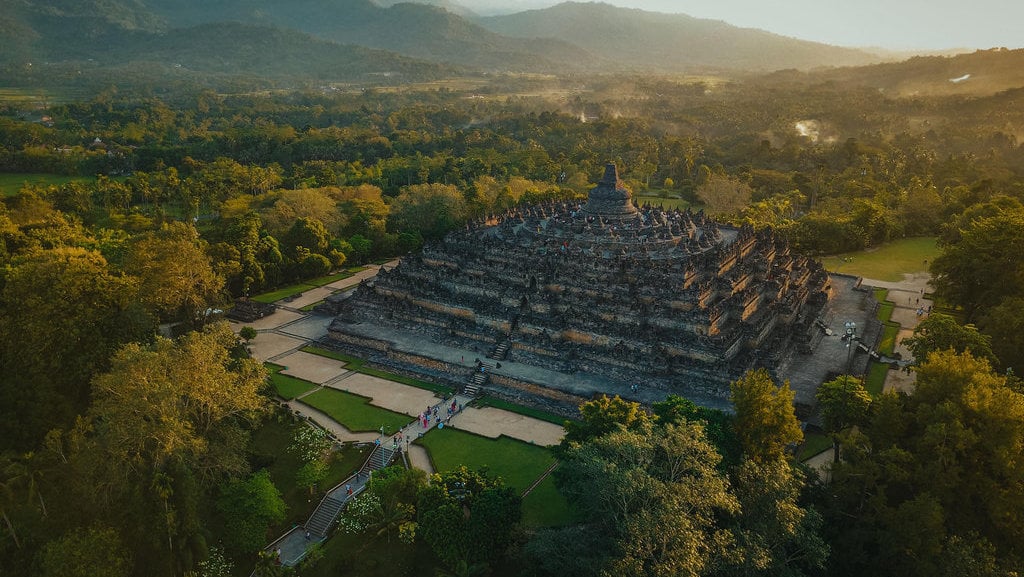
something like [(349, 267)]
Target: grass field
[(287, 387), (887, 263), (283, 292), (355, 412), (11, 183), (874, 381), (518, 463), (299, 288), (814, 444), (666, 203)]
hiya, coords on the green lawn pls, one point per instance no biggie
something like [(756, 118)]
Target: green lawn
[(355, 412), (889, 262), (11, 182), (299, 288), (311, 306), (326, 280), (666, 203), (814, 444), (875, 381), (545, 506), (287, 387), (283, 292), (518, 463), (888, 342), (358, 365)]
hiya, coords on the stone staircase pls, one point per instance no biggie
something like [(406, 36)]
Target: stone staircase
[(501, 350), (327, 511), (380, 458), (475, 384), (324, 516)]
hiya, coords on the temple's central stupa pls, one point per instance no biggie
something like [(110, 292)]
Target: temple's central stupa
[(578, 298)]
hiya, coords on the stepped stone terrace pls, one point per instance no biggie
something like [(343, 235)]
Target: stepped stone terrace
[(596, 297)]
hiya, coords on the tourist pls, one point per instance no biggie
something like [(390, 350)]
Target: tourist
[(348, 489)]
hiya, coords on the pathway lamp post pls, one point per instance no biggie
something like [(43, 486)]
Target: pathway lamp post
[(851, 336)]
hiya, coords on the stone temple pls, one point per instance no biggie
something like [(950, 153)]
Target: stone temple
[(553, 304)]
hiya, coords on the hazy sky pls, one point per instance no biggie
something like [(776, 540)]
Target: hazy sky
[(896, 24)]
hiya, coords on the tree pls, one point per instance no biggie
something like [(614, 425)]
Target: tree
[(309, 233), (603, 415), (765, 422), (86, 552), (930, 472), (774, 532), (718, 426), (467, 517), (388, 504), (984, 266), (247, 333), (177, 280), (941, 332), (430, 209), (656, 496), (168, 423), (50, 347), (184, 399), (723, 194), (249, 507), (1004, 325), (844, 402), (7, 498)]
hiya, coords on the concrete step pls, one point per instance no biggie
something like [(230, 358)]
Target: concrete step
[(501, 351), (380, 458), (471, 391), (324, 515)]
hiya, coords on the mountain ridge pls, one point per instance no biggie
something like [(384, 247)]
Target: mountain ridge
[(679, 42)]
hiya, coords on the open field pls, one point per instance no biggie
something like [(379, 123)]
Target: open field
[(356, 413), (287, 387), (889, 262), (666, 203), (11, 182), (518, 463)]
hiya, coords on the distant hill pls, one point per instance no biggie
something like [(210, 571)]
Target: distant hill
[(318, 39), (232, 48), (448, 5), (670, 42), (117, 34), (979, 73), (416, 30)]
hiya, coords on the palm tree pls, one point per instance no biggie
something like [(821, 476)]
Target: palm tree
[(27, 472), (7, 496)]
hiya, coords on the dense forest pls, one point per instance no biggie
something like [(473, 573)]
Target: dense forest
[(120, 450)]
